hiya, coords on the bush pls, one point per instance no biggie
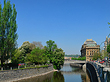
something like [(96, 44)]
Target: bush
[(80, 58)]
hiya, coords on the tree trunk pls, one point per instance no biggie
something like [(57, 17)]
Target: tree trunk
[(1, 64)]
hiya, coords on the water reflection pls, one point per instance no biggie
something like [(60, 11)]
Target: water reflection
[(67, 74), (72, 74), (57, 77), (43, 78)]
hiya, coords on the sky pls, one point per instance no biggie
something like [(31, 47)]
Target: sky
[(67, 22)]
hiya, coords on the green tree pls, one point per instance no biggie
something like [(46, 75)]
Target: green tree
[(32, 46), (83, 58), (37, 56), (8, 28), (51, 47), (104, 54), (58, 59), (37, 44), (17, 57), (97, 56), (108, 48), (44, 57), (26, 48)]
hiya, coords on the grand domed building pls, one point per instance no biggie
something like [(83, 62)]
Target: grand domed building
[(89, 48)]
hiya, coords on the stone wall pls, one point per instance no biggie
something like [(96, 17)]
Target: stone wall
[(11, 75), (76, 65)]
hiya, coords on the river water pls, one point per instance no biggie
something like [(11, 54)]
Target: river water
[(66, 74)]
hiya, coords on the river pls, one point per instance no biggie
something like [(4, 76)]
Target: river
[(66, 74)]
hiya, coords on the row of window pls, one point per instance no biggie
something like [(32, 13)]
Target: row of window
[(91, 52)]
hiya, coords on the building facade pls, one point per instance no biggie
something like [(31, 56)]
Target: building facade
[(107, 41), (89, 48)]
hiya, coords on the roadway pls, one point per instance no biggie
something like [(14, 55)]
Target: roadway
[(73, 61)]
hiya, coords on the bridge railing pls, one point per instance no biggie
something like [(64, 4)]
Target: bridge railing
[(104, 75), (108, 76)]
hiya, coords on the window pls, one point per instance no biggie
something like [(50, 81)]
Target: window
[(90, 53), (87, 52)]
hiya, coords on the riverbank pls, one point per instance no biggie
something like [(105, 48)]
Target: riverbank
[(15, 75), (17, 80), (65, 75)]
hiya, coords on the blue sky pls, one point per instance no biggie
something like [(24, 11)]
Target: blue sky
[(67, 22)]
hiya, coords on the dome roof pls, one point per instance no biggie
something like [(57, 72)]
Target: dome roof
[(90, 42)]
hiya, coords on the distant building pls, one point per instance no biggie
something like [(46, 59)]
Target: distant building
[(107, 41), (67, 58), (89, 48)]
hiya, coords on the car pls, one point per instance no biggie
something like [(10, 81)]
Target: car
[(102, 61), (21, 64)]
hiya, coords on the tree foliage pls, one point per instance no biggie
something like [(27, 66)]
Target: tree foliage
[(32, 46), (108, 48), (80, 58), (51, 47), (37, 44), (55, 55), (72, 55), (37, 56), (97, 56), (58, 59), (8, 28), (48, 54), (17, 57), (104, 54), (26, 48)]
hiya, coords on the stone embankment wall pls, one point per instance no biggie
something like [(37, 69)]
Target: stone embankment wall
[(84, 68), (13, 75), (76, 65)]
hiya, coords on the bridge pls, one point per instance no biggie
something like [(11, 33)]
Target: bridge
[(96, 71), (75, 63)]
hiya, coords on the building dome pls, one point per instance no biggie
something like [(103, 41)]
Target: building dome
[(89, 48), (90, 42)]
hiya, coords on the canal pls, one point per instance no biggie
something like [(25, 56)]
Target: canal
[(66, 74)]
